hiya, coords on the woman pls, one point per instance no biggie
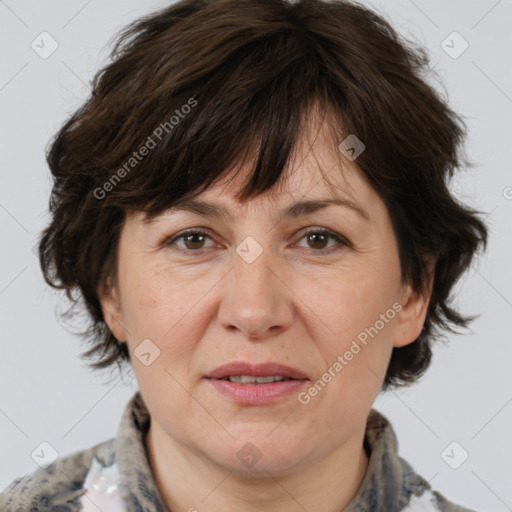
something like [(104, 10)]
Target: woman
[(253, 205)]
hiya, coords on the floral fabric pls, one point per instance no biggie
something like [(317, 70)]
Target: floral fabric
[(115, 476)]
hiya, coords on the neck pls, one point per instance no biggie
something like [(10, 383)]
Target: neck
[(189, 482)]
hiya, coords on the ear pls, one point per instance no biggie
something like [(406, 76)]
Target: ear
[(112, 312), (412, 316)]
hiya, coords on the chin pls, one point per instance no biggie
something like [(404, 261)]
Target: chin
[(257, 454)]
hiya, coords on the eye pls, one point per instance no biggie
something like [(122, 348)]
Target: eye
[(194, 240), (319, 237)]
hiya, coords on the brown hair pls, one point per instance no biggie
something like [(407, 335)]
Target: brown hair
[(203, 82)]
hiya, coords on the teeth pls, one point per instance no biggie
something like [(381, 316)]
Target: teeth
[(248, 379)]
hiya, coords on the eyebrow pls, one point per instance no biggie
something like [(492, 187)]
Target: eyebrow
[(212, 210)]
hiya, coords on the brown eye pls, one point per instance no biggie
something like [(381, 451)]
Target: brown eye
[(193, 241), (318, 239)]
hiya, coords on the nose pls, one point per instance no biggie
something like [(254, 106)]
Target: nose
[(256, 300)]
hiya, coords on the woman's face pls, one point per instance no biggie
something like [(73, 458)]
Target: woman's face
[(255, 288)]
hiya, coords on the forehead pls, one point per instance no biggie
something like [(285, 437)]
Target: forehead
[(309, 189), (317, 171)]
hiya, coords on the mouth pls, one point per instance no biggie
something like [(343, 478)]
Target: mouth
[(242, 372), (261, 384), (251, 379)]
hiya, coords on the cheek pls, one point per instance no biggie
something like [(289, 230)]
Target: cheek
[(358, 310), (149, 307), (155, 292), (168, 309), (355, 354), (353, 300), (156, 310)]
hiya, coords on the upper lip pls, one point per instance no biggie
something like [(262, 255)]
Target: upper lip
[(256, 370)]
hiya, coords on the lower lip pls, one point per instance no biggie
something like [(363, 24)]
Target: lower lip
[(257, 394)]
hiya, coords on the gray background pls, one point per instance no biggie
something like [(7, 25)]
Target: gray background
[(46, 391)]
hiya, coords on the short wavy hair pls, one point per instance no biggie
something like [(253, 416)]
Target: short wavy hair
[(194, 86)]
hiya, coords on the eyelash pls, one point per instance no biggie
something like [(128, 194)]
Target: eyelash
[(338, 238)]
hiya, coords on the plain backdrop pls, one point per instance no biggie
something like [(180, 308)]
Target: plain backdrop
[(48, 394)]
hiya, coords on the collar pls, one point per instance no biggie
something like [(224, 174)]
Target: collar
[(133, 461), (388, 484)]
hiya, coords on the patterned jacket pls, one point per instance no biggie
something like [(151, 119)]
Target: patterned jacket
[(115, 476)]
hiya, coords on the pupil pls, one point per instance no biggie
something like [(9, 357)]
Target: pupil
[(192, 236), (318, 235)]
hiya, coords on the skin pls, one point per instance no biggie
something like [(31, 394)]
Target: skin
[(296, 304)]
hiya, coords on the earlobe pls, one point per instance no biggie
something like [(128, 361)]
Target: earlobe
[(112, 313), (411, 318)]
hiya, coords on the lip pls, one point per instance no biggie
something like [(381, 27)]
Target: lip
[(256, 394), (256, 370)]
